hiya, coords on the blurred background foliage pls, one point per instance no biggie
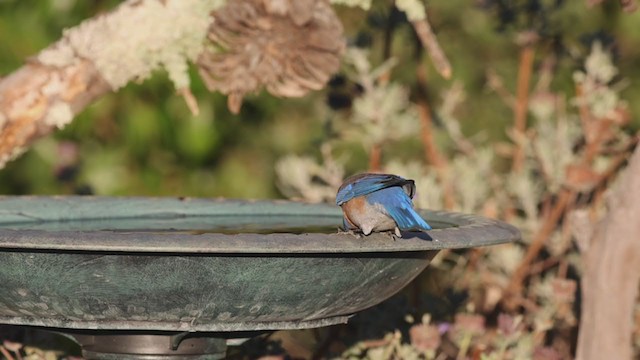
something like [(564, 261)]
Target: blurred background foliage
[(144, 141)]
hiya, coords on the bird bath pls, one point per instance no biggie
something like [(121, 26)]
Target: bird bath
[(180, 278)]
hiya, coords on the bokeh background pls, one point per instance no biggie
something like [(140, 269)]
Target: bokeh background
[(144, 141), (475, 304)]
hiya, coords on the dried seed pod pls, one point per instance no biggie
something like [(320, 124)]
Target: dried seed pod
[(289, 47)]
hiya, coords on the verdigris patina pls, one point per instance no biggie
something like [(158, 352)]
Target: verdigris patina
[(198, 265)]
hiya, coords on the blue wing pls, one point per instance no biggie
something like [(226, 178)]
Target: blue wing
[(398, 205), (363, 184)]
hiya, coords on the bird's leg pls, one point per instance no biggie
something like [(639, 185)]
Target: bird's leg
[(394, 234)]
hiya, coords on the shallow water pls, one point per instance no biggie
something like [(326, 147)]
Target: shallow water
[(198, 225)]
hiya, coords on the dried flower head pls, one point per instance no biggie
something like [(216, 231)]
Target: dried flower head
[(425, 337), (289, 47), (471, 323), (509, 325)]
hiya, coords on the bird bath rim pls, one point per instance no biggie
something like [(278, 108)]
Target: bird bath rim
[(24, 221), (64, 274)]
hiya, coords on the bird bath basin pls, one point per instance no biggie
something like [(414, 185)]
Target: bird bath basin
[(170, 278)]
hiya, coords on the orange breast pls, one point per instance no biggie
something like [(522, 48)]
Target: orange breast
[(353, 208)]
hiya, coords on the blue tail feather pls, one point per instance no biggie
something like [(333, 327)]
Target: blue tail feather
[(398, 206), (408, 218)]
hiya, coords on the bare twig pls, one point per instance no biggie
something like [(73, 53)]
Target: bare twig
[(495, 83), (430, 42), (191, 101), (453, 97), (431, 151), (544, 265), (375, 158), (549, 223), (525, 70), (596, 131), (585, 115), (6, 353), (616, 164)]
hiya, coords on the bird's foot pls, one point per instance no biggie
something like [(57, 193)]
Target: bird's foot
[(394, 235), (350, 232)]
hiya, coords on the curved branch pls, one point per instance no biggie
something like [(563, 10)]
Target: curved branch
[(37, 99), (100, 54)]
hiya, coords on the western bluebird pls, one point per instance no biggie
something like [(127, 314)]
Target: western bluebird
[(379, 202)]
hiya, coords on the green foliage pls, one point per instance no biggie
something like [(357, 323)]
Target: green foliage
[(143, 141), (571, 144), (149, 124)]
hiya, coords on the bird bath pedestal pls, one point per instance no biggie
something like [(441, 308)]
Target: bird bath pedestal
[(165, 278)]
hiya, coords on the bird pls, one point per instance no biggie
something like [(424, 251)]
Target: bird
[(379, 202)]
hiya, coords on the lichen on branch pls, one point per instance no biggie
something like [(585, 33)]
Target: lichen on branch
[(136, 39), (101, 54)]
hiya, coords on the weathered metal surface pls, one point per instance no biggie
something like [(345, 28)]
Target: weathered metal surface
[(89, 290), (142, 224), (57, 272), (157, 346)]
